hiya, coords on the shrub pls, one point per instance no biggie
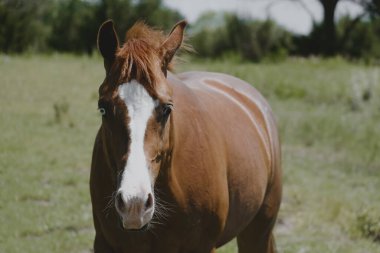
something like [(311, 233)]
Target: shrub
[(369, 225), (24, 25), (356, 39), (363, 40), (214, 34)]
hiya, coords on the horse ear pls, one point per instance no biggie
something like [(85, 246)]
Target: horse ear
[(108, 43), (173, 42)]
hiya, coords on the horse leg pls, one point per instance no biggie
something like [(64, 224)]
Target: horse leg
[(257, 237), (100, 245)]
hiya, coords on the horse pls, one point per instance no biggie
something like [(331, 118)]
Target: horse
[(181, 162)]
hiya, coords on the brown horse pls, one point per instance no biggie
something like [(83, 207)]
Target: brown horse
[(181, 163)]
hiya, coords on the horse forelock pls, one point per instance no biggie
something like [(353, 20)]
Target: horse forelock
[(139, 57), (155, 38)]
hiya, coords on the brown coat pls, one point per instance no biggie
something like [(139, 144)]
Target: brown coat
[(212, 164), (222, 178)]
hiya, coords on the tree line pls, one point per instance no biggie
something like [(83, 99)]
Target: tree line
[(71, 26), (353, 38)]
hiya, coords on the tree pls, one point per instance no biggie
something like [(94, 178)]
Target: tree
[(328, 36), (126, 12), (74, 27), (324, 38), (71, 25), (220, 35), (23, 25), (372, 7)]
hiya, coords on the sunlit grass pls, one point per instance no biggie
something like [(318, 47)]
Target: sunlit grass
[(330, 133)]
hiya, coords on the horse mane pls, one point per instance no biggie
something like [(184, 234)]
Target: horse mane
[(155, 38), (139, 55)]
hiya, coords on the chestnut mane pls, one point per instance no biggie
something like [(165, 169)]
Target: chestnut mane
[(140, 54)]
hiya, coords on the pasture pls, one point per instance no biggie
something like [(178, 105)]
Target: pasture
[(328, 113)]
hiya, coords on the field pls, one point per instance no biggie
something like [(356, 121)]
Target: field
[(328, 112)]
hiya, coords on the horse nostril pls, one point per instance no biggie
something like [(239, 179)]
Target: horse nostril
[(120, 202), (149, 202)]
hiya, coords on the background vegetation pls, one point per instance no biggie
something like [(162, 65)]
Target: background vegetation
[(71, 26), (328, 113)]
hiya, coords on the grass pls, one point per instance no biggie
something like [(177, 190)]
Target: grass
[(329, 127)]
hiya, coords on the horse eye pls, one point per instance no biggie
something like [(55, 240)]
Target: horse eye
[(102, 111), (166, 110)]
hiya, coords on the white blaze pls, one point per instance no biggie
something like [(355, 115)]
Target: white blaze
[(136, 179)]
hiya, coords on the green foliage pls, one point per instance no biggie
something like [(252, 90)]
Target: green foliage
[(363, 40), (61, 113), (72, 25), (356, 39), (155, 14), (306, 45), (60, 110), (330, 152), (209, 35), (24, 25), (368, 223), (285, 90), (252, 40)]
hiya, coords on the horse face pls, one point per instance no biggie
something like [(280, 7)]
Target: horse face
[(136, 119), (136, 129), (149, 143)]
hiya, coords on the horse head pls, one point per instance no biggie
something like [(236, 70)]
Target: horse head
[(135, 102)]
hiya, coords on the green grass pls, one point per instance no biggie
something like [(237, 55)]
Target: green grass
[(330, 135)]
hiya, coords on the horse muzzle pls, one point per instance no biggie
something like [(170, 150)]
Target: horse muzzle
[(135, 212)]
